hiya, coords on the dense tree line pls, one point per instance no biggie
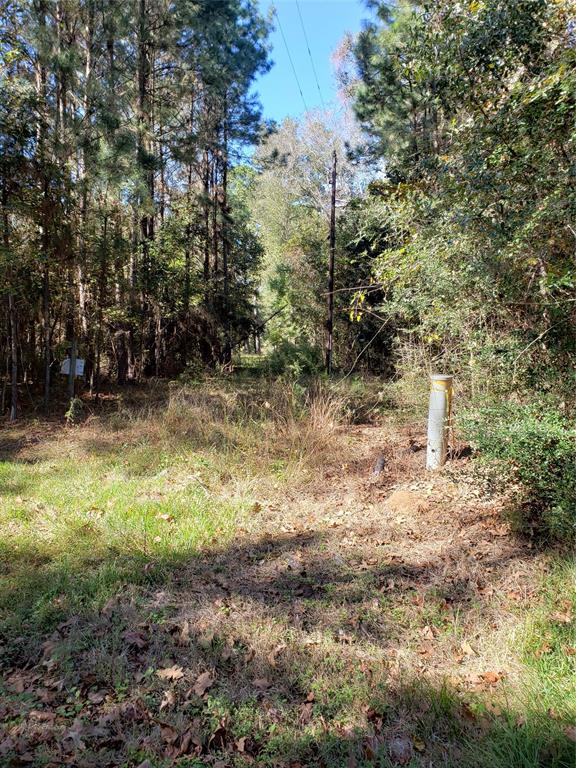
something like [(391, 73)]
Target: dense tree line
[(473, 107), (456, 233), (136, 233), (125, 238)]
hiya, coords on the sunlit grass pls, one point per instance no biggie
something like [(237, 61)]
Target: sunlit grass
[(549, 650), (75, 530), (128, 499)]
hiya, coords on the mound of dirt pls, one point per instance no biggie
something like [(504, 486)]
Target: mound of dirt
[(406, 502)]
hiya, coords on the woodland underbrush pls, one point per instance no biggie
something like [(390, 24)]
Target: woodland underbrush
[(516, 412)]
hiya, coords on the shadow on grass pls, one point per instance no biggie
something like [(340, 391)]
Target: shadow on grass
[(86, 663), (115, 713), (40, 587), (10, 446), (423, 724)]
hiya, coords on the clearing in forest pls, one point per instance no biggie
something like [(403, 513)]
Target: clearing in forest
[(221, 579)]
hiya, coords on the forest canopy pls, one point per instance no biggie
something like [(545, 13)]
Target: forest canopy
[(472, 105)]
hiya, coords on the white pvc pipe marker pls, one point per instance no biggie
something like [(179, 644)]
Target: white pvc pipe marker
[(438, 420)]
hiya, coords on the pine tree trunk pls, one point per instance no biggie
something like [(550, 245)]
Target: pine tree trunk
[(47, 333), (14, 357), (215, 222), (41, 131), (72, 371), (157, 339), (11, 310), (101, 297), (227, 351), (188, 244), (82, 300), (206, 182), (145, 55), (83, 161)]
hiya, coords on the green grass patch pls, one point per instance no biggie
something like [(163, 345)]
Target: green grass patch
[(314, 666), (550, 643), (76, 530)]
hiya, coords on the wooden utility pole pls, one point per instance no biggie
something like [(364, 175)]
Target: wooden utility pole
[(330, 319)]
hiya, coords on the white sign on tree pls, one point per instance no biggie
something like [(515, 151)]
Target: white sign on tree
[(65, 367)]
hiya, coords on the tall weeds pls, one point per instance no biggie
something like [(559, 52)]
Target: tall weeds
[(274, 419)]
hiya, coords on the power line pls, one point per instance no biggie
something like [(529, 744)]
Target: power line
[(290, 58), (310, 54)]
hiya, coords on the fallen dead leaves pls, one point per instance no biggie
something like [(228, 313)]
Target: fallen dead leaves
[(64, 738), (168, 700), (275, 654), (180, 743), (564, 615), (464, 652), (71, 741), (543, 649), (203, 682), (16, 683), (467, 649), (491, 678), (170, 673)]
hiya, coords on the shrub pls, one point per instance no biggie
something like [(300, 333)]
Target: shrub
[(295, 359), (535, 446)]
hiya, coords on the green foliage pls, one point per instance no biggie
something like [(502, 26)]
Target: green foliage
[(535, 446), (291, 206), (295, 359), (120, 225), (75, 412), (394, 98), (469, 104)]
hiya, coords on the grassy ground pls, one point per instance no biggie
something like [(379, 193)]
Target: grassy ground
[(219, 579)]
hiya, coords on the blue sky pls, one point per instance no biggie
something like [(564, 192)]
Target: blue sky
[(326, 22)]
